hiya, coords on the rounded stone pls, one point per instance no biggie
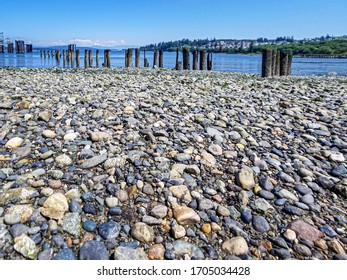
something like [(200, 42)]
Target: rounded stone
[(89, 225), (55, 206), (260, 224), (178, 231), (63, 160), (65, 254), (206, 228), (235, 246), (48, 133), (109, 230), (12, 219), (186, 216), (93, 250), (14, 142), (156, 252), (142, 232), (245, 179)]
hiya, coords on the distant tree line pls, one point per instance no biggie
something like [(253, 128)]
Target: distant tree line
[(321, 45), (333, 47)]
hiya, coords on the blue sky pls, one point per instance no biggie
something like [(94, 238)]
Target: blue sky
[(138, 22)]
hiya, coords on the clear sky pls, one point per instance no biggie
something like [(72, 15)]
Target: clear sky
[(139, 22)]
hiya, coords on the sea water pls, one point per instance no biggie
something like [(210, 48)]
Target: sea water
[(221, 62)]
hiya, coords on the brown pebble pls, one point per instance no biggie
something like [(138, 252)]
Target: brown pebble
[(156, 252), (55, 184), (87, 236), (76, 241), (39, 183), (218, 198), (69, 241), (266, 244), (132, 190), (206, 228), (320, 243), (335, 246)]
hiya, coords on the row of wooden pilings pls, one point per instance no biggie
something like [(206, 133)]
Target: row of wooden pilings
[(158, 59), (72, 57), (69, 57), (276, 63)]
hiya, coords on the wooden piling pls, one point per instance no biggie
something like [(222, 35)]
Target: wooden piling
[(72, 56), (273, 63), (41, 53), (10, 48), (284, 61), (278, 63), (203, 64), (77, 58), (52, 53), (266, 63), (179, 65), (137, 58), (97, 58), (145, 61), (57, 55), (129, 58), (186, 59), (86, 59), (107, 58), (64, 58), (126, 58), (161, 58), (195, 60), (155, 59), (90, 55), (290, 60), (177, 57), (44, 53), (209, 61)]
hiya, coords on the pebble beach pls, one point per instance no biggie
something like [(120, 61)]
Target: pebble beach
[(133, 164)]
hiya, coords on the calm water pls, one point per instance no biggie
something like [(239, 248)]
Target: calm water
[(221, 62)]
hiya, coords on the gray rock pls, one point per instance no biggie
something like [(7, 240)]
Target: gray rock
[(65, 254), (307, 199), (72, 224), (45, 255), (292, 210), (109, 230), (285, 177), (26, 246), (142, 232), (260, 224), (205, 204), (184, 247), (159, 211), (149, 220), (128, 253), (12, 219), (94, 161), (93, 250), (18, 229)]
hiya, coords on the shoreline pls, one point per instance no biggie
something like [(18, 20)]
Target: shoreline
[(165, 164)]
